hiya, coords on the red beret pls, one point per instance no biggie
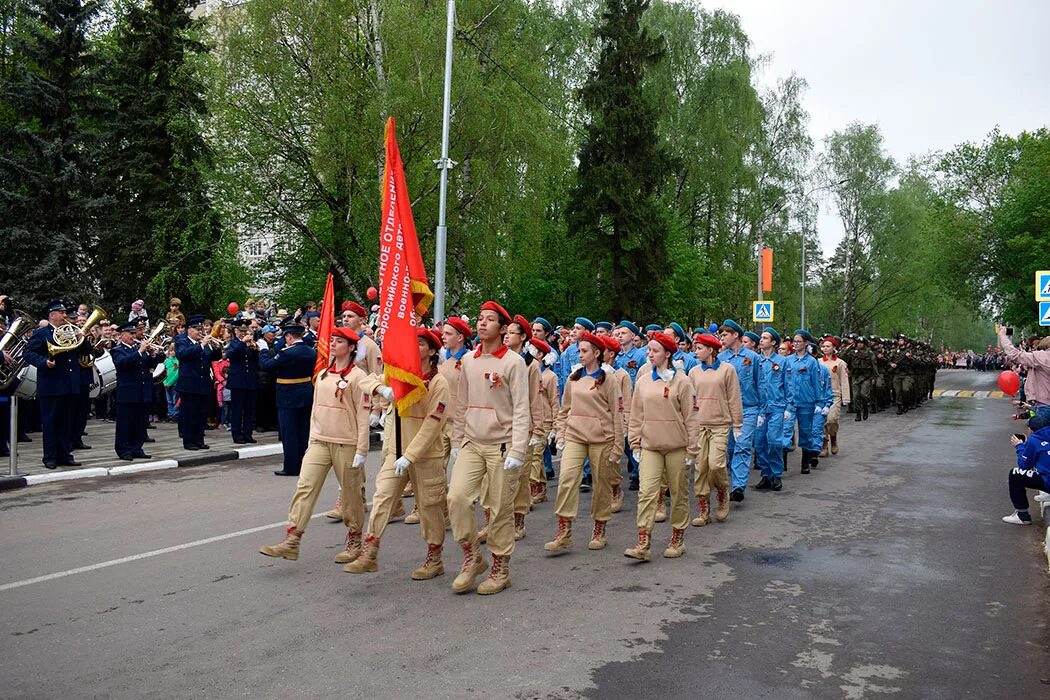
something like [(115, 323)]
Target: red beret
[(708, 339), (612, 343), (540, 345), (504, 315), (355, 307), (667, 341), (593, 339), (831, 339), (346, 333), (526, 327), (460, 325), (430, 336)]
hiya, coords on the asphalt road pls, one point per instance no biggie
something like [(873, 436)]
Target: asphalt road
[(886, 573)]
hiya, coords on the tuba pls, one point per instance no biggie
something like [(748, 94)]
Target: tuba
[(13, 342), (69, 336)]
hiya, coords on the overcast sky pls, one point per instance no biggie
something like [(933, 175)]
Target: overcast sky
[(931, 73)]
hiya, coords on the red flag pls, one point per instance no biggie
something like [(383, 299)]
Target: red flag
[(324, 331), (404, 289)]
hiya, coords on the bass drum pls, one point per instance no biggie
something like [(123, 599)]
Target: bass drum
[(26, 388), (159, 371), (105, 379)]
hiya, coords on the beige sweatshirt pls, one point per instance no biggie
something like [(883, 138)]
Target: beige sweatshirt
[(592, 414), (548, 401), (492, 402), (627, 391), (717, 396), (535, 410), (839, 372), (343, 421), (451, 369), (664, 415), (421, 429)]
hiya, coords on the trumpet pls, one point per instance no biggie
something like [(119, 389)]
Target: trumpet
[(150, 341), (69, 336)]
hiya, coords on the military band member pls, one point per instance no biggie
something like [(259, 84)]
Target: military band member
[(294, 365), (242, 381), (134, 363)]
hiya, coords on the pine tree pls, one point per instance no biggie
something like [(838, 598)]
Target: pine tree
[(48, 211), (614, 207)]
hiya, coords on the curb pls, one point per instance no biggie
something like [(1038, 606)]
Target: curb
[(16, 482)]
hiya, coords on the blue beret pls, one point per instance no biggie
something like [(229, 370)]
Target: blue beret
[(753, 336), (679, 331), (585, 322), (772, 332), (545, 323), (629, 326), (653, 327), (604, 324), (804, 333), (733, 326)]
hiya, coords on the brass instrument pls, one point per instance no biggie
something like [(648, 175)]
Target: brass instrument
[(213, 339), (13, 342), (69, 336), (150, 341)]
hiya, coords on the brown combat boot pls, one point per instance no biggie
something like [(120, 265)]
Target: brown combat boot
[(353, 548), (598, 538), (703, 506), (563, 538), (408, 490), (834, 444), (499, 576), (676, 547), (337, 510), (824, 448), (519, 526), (483, 533), (617, 499), (661, 509), (413, 517), (722, 512), (541, 493), (432, 566), (366, 562), (641, 550), (288, 548), (474, 565)]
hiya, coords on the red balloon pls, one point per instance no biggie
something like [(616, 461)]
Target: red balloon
[(1009, 382), (233, 308), (373, 292)]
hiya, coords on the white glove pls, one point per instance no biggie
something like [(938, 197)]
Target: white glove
[(787, 415), (359, 461), (607, 368), (551, 435), (382, 420), (561, 446), (455, 452), (679, 364), (534, 441), (736, 434), (613, 459), (386, 392), (512, 463), (824, 411), (359, 356), (373, 421), (550, 358), (761, 421), (401, 465), (690, 462)]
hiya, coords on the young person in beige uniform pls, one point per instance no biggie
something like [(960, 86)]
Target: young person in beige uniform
[(612, 351), (839, 372), (489, 438), (548, 409), (338, 441), (720, 409), (663, 432), (519, 333), (412, 448), (589, 426)]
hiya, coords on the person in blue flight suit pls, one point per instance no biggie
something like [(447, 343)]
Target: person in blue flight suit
[(57, 388), (134, 363), (294, 365), (805, 392), (195, 353), (242, 381), (311, 321), (741, 446), (769, 426), (630, 359), (566, 364), (684, 359)]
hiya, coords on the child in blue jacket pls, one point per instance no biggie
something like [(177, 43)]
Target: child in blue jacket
[(1032, 470)]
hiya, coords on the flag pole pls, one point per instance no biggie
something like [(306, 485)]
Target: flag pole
[(444, 165)]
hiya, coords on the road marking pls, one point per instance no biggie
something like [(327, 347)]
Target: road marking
[(144, 555), (968, 394), (965, 394)]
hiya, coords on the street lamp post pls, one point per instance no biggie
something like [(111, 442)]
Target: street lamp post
[(444, 165)]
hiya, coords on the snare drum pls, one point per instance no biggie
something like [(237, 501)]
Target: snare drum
[(105, 376), (26, 388)]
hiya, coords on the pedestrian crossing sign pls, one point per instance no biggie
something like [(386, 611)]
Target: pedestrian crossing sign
[(1042, 285), (762, 311), (1044, 313)]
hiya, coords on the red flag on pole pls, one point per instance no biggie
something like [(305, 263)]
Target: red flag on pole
[(404, 289), (324, 331)]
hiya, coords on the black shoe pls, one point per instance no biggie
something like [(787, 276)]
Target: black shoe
[(763, 484), (284, 473), (857, 418), (633, 486), (149, 439), (585, 485), (737, 495), (22, 437), (900, 410), (126, 458), (777, 483), (757, 468), (251, 440), (141, 455), (202, 446), (550, 475), (50, 465), (70, 463), (190, 447), (151, 426), (865, 413), (81, 446)]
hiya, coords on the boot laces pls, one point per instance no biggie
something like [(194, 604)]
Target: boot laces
[(497, 567), (599, 530)]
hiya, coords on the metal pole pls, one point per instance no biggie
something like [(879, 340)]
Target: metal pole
[(12, 468), (444, 164), (803, 324), (760, 266)]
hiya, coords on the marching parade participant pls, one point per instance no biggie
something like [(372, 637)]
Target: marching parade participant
[(570, 357), (750, 340), (840, 387), (195, 352), (412, 449), (134, 367), (863, 368), (589, 426), (825, 400), (543, 330), (720, 410), (548, 408), (769, 430), (294, 365), (243, 381), (663, 427), (626, 386), (631, 358), (338, 431), (683, 357), (803, 374), (741, 446), (490, 438), (454, 336)]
